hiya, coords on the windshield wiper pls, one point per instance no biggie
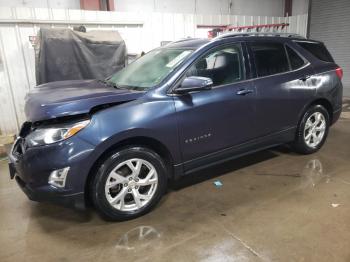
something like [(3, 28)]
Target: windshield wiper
[(109, 83)]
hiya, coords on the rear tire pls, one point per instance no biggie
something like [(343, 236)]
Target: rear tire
[(312, 130), (129, 183)]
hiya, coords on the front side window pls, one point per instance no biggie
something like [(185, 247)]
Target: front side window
[(270, 58), (295, 60), (223, 65), (150, 69)]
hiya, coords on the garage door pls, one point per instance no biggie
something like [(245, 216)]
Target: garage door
[(330, 23)]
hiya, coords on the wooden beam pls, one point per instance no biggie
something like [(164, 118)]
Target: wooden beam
[(98, 5), (110, 5), (90, 5), (288, 6)]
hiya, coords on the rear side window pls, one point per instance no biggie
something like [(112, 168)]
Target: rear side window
[(295, 60), (270, 58), (318, 50)]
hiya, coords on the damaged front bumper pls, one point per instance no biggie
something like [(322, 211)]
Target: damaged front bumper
[(31, 168)]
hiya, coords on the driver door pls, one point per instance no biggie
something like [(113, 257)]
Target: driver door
[(211, 122)]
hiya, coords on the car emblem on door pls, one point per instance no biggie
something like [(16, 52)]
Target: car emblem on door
[(197, 138)]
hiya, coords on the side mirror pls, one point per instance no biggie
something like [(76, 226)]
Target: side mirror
[(194, 83)]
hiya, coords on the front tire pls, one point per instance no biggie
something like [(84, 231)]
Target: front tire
[(129, 183), (312, 130)]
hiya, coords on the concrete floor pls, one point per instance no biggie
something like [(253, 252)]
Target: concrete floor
[(273, 206)]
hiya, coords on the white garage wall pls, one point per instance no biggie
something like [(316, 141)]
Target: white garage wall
[(300, 7), (65, 4), (237, 7), (223, 7), (140, 31)]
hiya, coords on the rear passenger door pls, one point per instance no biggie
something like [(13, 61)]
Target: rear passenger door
[(282, 81)]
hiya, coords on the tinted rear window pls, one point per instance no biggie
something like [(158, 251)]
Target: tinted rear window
[(295, 60), (318, 50), (270, 58)]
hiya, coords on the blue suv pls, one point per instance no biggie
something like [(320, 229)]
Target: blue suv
[(177, 109)]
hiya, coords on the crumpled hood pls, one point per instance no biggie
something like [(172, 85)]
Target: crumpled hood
[(63, 98)]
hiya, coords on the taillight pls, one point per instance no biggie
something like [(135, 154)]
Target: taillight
[(339, 72)]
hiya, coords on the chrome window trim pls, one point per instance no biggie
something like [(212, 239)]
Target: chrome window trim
[(307, 63), (253, 79)]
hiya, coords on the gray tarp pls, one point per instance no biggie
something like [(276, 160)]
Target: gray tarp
[(65, 54)]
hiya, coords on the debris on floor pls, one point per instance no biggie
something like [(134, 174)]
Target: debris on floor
[(218, 183), (335, 205)]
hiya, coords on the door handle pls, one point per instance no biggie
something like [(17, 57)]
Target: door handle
[(304, 78), (244, 92)]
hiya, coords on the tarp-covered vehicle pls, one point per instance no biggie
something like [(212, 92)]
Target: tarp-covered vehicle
[(64, 54)]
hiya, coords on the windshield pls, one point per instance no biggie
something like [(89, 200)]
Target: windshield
[(150, 69)]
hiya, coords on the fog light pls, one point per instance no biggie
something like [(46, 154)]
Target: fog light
[(58, 177)]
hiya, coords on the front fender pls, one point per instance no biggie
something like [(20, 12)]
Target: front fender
[(151, 118)]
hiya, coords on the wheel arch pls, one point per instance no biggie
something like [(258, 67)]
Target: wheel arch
[(326, 104), (148, 142), (319, 101)]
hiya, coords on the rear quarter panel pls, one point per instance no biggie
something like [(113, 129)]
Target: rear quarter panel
[(325, 80), (329, 85)]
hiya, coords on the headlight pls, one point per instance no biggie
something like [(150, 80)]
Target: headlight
[(52, 134)]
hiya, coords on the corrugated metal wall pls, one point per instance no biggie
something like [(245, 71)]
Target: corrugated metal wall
[(141, 32), (329, 22)]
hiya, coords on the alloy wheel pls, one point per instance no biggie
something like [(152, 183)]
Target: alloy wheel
[(131, 184), (314, 129)]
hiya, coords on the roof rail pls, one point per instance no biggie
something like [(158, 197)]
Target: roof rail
[(184, 39), (274, 34)]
